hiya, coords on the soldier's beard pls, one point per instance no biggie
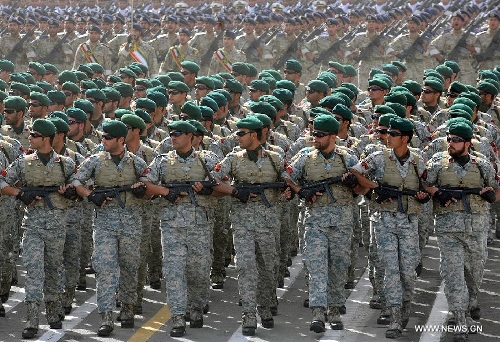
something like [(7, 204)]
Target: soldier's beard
[(456, 153)]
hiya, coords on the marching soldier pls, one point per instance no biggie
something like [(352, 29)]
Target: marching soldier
[(136, 50), (488, 48), (224, 57), (93, 51), (179, 53), (13, 46)]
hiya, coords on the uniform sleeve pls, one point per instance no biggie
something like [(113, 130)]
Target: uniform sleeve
[(431, 173), (154, 172), (69, 168), (490, 178), (139, 165), (295, 170), (85, 171), (12, 173), (367, 165), (223, 169)]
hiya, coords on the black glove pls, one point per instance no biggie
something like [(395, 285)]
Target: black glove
[(307, 194), (382, 194), (173, 194), (26, 197), (442, 196), (205, 191), (71, 194), (350, 181), (97, 198), (242, 194), (139, 191), (425, 199), (489, 196)]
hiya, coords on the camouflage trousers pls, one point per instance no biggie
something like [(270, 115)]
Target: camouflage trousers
[(376, 271), (43, 245), (155, 256), (116, 257), (72, 245), (425, 225), (186, 236), (462, 243), (7, 243), (86, 237), (220, 236), (328, 236), (146, 220), (398, 249), (357, 235)]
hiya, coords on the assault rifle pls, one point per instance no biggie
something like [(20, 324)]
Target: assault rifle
[(322, 186), (490, 50), (375, 43), (315, 32), (252, 47), (55, 50), (275, 32), (28, 194), (288, 53), (446, 193), (258, 189), (100, 194), (213, 46), (385, 191), (187, 186), (422, 39), (332, 49), (462, 42), (19, 45)]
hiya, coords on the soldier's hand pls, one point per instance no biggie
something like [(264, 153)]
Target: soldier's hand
[(289, 193), (349, 180), (99, 198), (27, 197), (173, 194), (69, 192), (138, 190), (242, 194), (423, 197), (488, 194), (202, 190), (309, 195)]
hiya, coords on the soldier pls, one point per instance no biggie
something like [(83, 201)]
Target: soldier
[(135, 49), (93, 51), (280, 43), (177, 96), (117, 225), (187, 242), (13, 45), (396, 222), (488, 55), (224, 57), (43, 239), (202, 41), (327, 265), (249, 43), (179, 52), (461, 227), (253, 164), (15, 126)]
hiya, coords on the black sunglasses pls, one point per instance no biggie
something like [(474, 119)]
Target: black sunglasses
[(319, 134), (107, 137), (452, 95), (454, 139), (34, 104), (139, 88), (36, 135), (374, 88), (242, 133), (173, 92), (235, 74), (394, 134), (10, 111), (200, 87), (176, 133), (375, 116), (381, 131), (428, 91), (289, 72)]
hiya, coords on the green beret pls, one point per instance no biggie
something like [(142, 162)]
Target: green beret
[(61, 126), (391, 69), (85, 69), (412, 86), (400, 89), (127, 72), (331, 101), (273, 100), (457, 87), (3, 85), (44, 127), (34, 87), (16, 77), (22, 88), (145, 103), (191, 66), (410, 99), (328, 78), (133, 120), (6, 65), (38, 67), (198, 125), (350, 71), (283, 94), (42, 98), (125, 89), (266, 120), (143, 115), (164, 79), (70, 86), (99, 82), (294, 65), (403, 125), (484, 74), (343, 111), (346, 99), (471, 96), (375, 71), (67, 76), (217, 82), (313, 112), (400, 65), (386, 78), (271, 81), (492, 81), (434, 84), (96, 94), (80, 75), (465, 101), (115, 128), (114, 79), (252, 70), (444, 70), (384, 109), (206, 81), (111, 93), (317, 85), (226, 76), (260, 85), (234, 86), (263, 74), (181, 126), (459, 119), (85, 105), (175, 76), (135, 69), (453, 65), (385, 119), (433, 73), (119, 113), (250, 122), (399, 109), (345, 91), (209, 102), (88, 84), (143, 68), (61, 115), (143, 82), (276, 75), (181, 86), (487, 87), (241, 68), (159, 98), (3, 95), (326, 123), (465, 107), (396, 97), (77, 114), (15, 102), (46, 86), (337, 66), (264, 108), (352, 87), (206, 112), (155, 82), (286, 84), (378, 82), (96, 67), (192, 110), (219, 98), (459, 113), (460, 129)]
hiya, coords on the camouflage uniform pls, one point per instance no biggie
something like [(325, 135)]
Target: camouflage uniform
[(146, 50), (201, 42), (7, 45), (161, 44), (317, 46), (87, 52), (184, 52), (416, 61), (117, 231), (229, 58), (243, 43), (483, 40), (40, 48)]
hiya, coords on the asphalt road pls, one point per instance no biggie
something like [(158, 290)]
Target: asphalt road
[(223, 321)]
